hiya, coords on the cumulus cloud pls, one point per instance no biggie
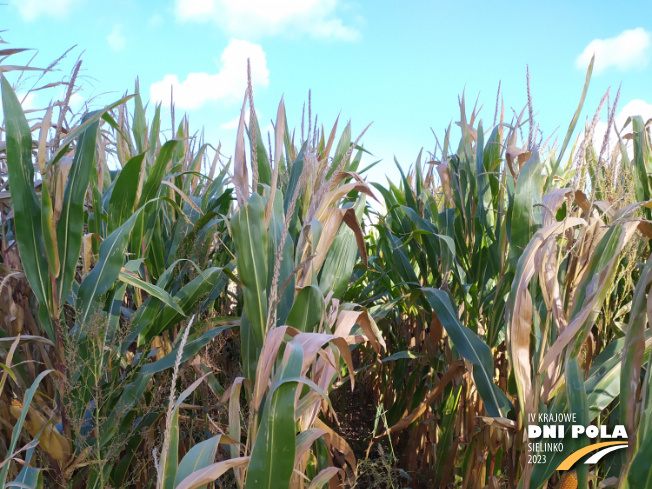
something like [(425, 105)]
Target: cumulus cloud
[(228, 83), (232, 124), (255, 18), (27, 101), (629, 49), (116, 40), (77, 102), (632, 108), (32, 9)]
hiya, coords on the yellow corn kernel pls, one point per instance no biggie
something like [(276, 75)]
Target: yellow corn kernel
[(568, 481)]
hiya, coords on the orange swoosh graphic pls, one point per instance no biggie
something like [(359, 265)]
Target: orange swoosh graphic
[(575, 456)]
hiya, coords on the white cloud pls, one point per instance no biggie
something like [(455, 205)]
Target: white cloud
[(116, 40), (77, 102), (229, 83), (629, 49), (232, 124), (194, 9), (632, 108), (31, 9), (27, 102), (256, 18)]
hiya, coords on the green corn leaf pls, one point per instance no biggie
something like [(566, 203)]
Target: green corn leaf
[(191, 349), (642, 182), (29, 395), (49, 232), (639, 474), (445, 445), (70, 227), (151, 289), (140, 125), (571, 128), (295, 177), (198, 457), (473, 349), (525, 215), (121, 472), (343, 254), (125, 192), (211, 473), (250, 237), (187, 300), (90, 120), (578, 405), (157, 172), (272, 457), (154, 133), (150, 191), (603, 382), (170, 459), (27, 209), (28, 478), (342, 147), (484, 191), (105, 273), (264, 168), (275, 232), (634, 348), (307, 310), (130, 395)]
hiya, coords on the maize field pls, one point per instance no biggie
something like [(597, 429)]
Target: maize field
[(171, 318)]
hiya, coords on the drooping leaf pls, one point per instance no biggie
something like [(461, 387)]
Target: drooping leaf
[(473, 349)]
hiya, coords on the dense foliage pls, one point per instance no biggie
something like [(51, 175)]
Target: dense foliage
[(173, 320)]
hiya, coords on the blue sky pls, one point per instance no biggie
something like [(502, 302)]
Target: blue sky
[(400, 66)]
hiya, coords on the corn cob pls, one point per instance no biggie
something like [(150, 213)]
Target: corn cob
[(568, 481), (53, 442)]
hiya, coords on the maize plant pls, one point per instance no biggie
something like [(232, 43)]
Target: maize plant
[(154, 242), (494, 269), (174, 319)]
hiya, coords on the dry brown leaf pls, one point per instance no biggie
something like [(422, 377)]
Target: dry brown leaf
[(43, 139), (521, 320), (240, 177), (7, 68), (61, 177), (331, 138), (336, 194), (351, 220), (278, 150), (267, 359), (516, 154), (591, 299), (335, 441), (445, 177)]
